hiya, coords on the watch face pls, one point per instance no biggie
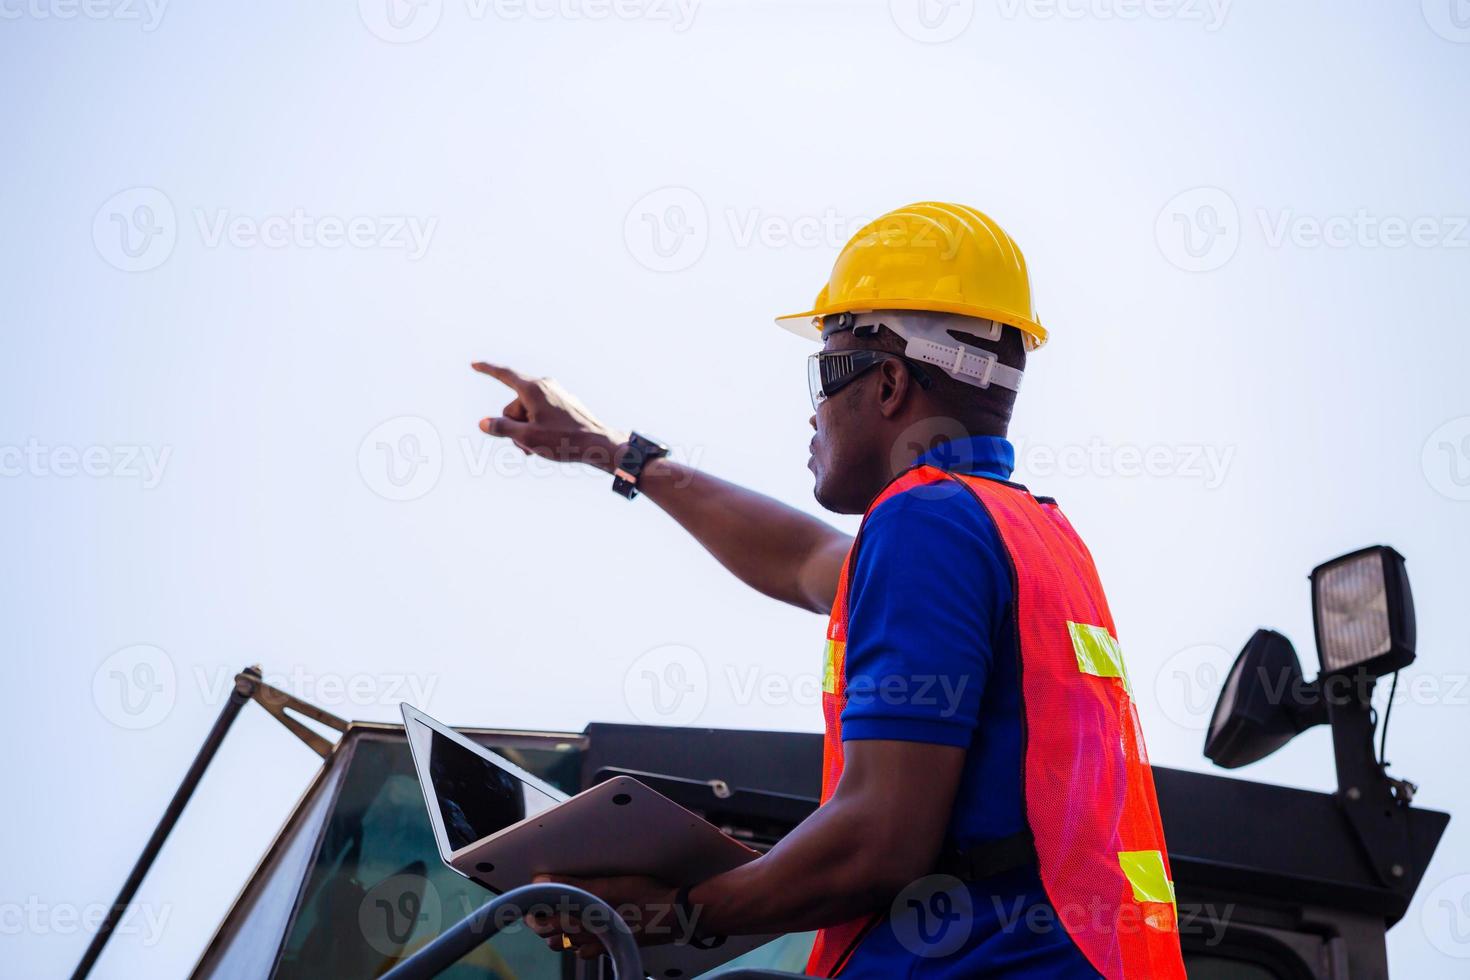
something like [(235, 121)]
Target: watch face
[(641, 449), (645, 445)]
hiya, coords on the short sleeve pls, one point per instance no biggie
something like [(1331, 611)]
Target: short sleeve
[(929, 587)]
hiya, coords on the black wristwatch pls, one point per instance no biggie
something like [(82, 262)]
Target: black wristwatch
[(640, 452)]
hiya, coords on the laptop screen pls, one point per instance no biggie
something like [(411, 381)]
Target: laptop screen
[(476, 797)]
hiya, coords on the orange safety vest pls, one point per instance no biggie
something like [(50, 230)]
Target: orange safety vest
[(1089, 791)]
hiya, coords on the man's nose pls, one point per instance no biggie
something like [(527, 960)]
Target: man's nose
[(813, 421)]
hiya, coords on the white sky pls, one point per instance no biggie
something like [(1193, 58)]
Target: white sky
[(1303, 393)]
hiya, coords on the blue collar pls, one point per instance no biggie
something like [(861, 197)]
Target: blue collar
[(991, 456)]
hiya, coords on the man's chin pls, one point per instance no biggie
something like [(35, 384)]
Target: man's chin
[(833, 502), (818, 486)]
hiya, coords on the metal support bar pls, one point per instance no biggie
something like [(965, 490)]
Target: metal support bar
[(276, 701), (462, 937), (245, 683), (1365, 792)]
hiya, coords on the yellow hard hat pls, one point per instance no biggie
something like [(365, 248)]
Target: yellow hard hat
[(946, 258)]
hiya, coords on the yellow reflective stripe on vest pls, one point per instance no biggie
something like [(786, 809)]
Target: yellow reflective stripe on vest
[(833, 650), (1145, 872), (1098, 653)]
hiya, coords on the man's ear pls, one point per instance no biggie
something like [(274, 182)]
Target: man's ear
[(895, 387)]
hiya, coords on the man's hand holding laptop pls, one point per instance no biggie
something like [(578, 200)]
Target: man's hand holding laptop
[(648, 906)]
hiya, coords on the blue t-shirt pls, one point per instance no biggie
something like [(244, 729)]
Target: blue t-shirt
[(932, 656)]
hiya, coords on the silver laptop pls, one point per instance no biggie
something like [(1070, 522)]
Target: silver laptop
[(500, 826)]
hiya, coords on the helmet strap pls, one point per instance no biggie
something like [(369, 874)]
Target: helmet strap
[(930, 339)]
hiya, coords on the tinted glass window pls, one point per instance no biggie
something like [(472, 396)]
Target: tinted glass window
[(377, 890)]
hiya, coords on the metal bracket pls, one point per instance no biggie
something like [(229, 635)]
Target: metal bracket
[(1376, 806), (277, 701)]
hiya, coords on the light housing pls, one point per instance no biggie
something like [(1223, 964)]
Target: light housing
[(1363, 619), (1363, 612), (1264, 704)]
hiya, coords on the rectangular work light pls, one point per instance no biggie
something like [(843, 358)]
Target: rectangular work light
[(1363, 612)]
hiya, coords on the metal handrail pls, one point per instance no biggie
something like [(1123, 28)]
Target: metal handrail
[(459, 939)]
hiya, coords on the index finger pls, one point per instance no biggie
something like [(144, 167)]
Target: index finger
[(509, 377)]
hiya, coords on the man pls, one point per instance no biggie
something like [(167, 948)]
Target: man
[(987, 806)]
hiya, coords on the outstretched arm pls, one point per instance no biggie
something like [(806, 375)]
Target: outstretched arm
[(775, 549)]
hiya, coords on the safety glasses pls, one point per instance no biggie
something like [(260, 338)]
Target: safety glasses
[(829, 371)]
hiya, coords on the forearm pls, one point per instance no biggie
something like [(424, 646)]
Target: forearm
[(777, 550), (882, 830), (834, 867)]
